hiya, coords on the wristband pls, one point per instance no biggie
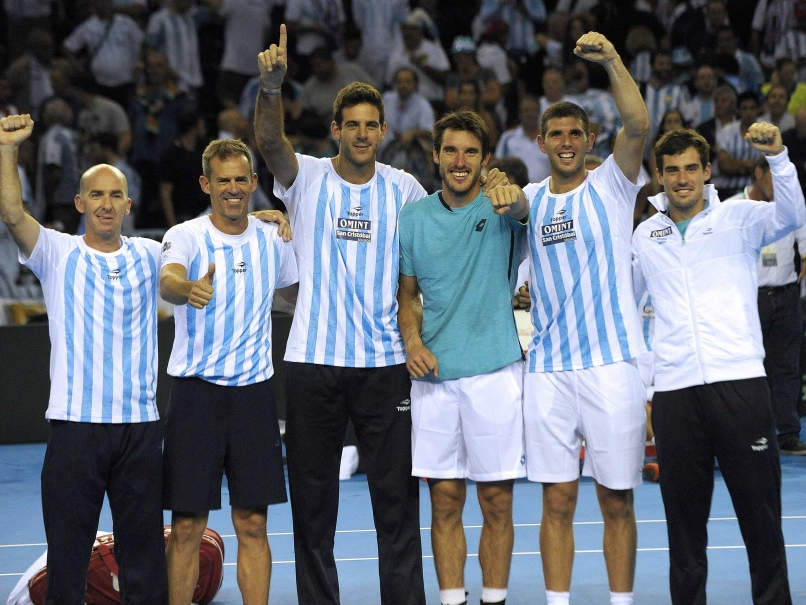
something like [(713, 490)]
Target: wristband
[(270, 91)]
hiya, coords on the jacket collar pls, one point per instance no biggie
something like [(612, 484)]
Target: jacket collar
[(709, 192)]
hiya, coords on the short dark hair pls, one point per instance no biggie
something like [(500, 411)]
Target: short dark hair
[(747, 95), (408, 69), (223, 149), (355, 94), (463, 120), (677, 141), (513, 167), (564, 109)]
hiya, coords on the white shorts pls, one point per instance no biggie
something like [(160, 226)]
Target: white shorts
[(603, 404), (470, 427)]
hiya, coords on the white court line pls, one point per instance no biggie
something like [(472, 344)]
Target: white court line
[(514, 554), (537, 552), (428, 528)]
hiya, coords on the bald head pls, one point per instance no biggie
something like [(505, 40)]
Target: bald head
[(87, 177)]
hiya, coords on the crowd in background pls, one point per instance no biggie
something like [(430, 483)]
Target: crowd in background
[(144, 85)]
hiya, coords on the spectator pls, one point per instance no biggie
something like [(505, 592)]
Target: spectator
[(182, 198), (351, 54), (785, 74), (521, 142), (750, 72), (470, 98), (154, 116), (640, 45), (793, 46), (574, 29), (426, 58), (245, 25), (463, 52), (491, 54), (736, 158), (379, 24), (777, 101), (28, 75), (724, 114), (24, 17), (408, 144), (172, 32), (57, 168), (554, 37), (112, 43), (521, 18), (661, 94), (104, 150), (327, 80), (313, 24), (771, 20), (553, 88), (95, 113), (700, 107), (409, 115)]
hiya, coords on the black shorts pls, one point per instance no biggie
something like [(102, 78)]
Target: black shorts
[(212, 429)]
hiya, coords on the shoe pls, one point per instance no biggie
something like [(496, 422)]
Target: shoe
[(793, 447)]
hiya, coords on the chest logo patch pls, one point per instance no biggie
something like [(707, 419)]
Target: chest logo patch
[(355, 230), (558, 232)]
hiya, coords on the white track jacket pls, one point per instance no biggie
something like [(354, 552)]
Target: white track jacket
[(704, 287)]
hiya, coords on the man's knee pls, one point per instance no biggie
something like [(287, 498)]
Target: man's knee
[(187, 529), (495, 500), (447, 499), (250, 524), (560, 500), (616, 505)]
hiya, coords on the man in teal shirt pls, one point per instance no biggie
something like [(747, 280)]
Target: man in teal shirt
[(461, 249)]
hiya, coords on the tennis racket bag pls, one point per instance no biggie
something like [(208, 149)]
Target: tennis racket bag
[(102, 574)]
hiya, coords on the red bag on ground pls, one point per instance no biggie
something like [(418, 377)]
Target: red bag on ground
[(102, 574)]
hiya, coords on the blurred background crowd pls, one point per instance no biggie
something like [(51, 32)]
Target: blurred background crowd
[(145, 84)]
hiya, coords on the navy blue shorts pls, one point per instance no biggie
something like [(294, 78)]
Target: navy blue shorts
[(212, 429)]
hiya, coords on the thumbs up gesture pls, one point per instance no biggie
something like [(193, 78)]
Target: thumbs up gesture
[(202, 291)]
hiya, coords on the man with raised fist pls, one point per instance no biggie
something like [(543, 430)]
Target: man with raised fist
[(104, 432)]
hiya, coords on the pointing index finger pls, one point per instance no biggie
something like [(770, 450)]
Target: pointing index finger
[(283, 37)]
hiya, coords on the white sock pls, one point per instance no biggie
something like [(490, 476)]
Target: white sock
[(557, 598), (452, 596), (621, 598), (493, 595)]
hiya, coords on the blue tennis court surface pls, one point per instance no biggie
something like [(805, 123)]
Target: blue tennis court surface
[(22, 540)]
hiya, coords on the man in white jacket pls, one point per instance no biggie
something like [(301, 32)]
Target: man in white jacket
[(697, 257), (780, 317)]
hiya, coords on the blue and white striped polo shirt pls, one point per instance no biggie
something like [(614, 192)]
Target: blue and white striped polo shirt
[(228, 342), (102, 319), (583, 305), (346, 242)]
